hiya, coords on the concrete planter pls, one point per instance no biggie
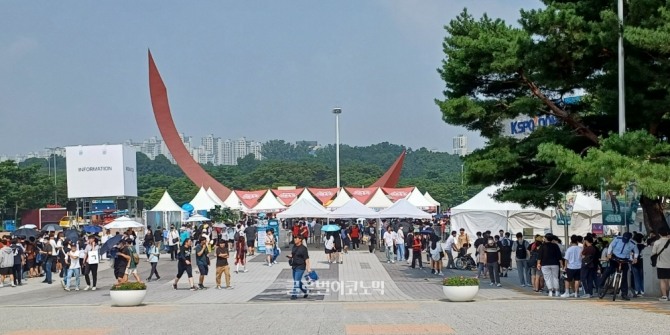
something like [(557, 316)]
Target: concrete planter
[(127, 298), (460, 293)]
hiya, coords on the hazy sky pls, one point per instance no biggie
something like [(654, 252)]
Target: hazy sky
[(76, 73)]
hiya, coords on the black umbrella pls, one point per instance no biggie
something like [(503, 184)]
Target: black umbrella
[(114, 240), (25, 232), (52, 227), (71, 234)]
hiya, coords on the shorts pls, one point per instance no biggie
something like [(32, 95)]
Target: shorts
[(572, 274), (181, 268), (533, 270), (436, 257), (130, 271), (269, 250), (329, 251), (250, 243), (204, 269), (663, 273), (6, 271)]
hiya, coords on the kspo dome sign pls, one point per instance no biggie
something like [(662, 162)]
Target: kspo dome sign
[(527, 126)]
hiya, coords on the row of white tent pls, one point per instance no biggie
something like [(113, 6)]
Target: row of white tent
[(482, 212), (205, 200)]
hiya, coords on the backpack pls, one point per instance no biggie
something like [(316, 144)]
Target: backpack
[(534, 253), (521, 251), (135, 256)]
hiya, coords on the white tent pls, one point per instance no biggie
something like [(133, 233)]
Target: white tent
[(379, 200), (307, 195), (202, 201), (430, 199), (304, 208), (269, 204), (165, 213), (341, 199), (403, 209), (216, 198), (417, 199), (353, 209), (234, 203), (482, 212)]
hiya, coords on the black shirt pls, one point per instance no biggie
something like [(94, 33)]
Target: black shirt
[(299, 257), (491, 253), (221, 261), (250, 233), (550, 254), (184, 255)]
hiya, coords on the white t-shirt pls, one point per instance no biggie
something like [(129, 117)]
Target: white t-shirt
[(400, 237), (574, 257), (450, 243), (388, 239), (74, 259)]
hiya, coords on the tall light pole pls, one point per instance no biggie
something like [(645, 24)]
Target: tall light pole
[(622, 96), (462, 178), (337, 112)]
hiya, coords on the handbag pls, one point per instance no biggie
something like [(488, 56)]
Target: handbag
[(654, 257)]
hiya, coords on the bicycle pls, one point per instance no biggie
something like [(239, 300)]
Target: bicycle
[(613, 282)]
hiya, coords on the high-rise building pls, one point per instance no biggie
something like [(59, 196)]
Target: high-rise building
[(460, 145)]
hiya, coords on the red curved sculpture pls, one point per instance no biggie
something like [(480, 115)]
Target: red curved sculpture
[(391, 177), (161, 107)]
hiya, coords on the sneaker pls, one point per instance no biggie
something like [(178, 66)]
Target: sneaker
[(62, 283), (236, 271), (67, 289), (13, 285), (2, 285), (664, 299), (202, 287), (492, 284), (93, 288), (641, 293), (229, 287), (293, 297), (341, 262), (565, 295), (86, 288), (550, 293), (245, 271), (275, 262), (586, 296), (76, 289), (174, 286), (440, 273), (392, 262), (193, 288), (576, 295), (499, 285), (625, 297), (218, 287)]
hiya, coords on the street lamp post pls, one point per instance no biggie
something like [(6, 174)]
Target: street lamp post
[(337, 112), (622, 95)]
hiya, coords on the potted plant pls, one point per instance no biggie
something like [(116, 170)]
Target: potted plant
[(461, 288), (128, 294)]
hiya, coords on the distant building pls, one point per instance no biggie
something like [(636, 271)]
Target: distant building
[(460, 145)]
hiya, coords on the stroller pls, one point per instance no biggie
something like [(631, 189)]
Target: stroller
[(464, 260)]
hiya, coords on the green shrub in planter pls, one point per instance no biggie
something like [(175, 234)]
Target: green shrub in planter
[(128, 286), (460, 281)]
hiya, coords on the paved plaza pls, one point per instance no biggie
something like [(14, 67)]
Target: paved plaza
[(364, 295)]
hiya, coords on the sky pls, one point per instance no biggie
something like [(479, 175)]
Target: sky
[(77, 73)]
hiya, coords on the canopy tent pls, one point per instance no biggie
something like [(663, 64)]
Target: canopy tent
[(363, 195), (202, 201), (323, 194), (216, 198), (269, 204), (307, 195), (379, 200), (304, 208), (417, 199), (340, 200), (430, 199), (397, 193), (123, 222), (482, 212), (353, 209), (250, 198), (165, 213), (403, 209), (234, 203)]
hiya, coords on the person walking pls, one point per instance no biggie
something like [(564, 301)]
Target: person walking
[(184, 265), (222, 266), (91, 261), (589, 266), (520, 248), (355, 234), (173, 242), (492, 259), (549, 262), (6, 264), (240, 255), (637, 268), (148, 241), (416, 251), (572, 266), (450, 246), (389, 242), (202, 260), (660, 250), (400, 244), (269, 246), (505, 246), (74, 267), (19, 261), (154, 254), (299, 261)]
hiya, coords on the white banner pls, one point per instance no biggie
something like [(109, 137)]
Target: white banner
[(101, 171)]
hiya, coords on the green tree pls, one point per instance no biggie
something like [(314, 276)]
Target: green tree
[(495, 72)]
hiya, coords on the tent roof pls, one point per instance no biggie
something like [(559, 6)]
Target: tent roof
[(307, 195), (430, 198), (403, 209), (166, 204), (340, 200), (269, 203), (397, 193), (304, 208), (417, 199), (234, 202), (353, 209), (323, 194), (379, 200), (215, 197), (361, 194), (484, 201), (202, 201), (288, 197), (250, 198)]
